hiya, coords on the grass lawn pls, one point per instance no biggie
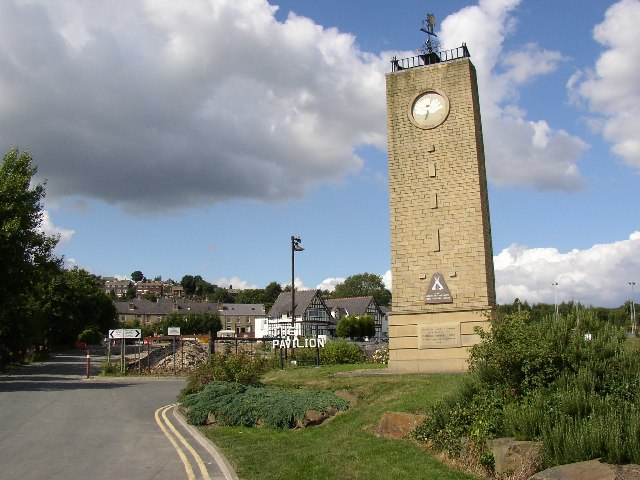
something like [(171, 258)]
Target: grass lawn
[(343, 448)]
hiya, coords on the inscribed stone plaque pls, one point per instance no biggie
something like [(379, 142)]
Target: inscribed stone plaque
[(439, 335)]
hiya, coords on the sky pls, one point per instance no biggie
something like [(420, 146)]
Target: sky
[(195, 138)]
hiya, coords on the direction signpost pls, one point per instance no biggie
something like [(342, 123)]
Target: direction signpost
[(123, 334), (174, 331)]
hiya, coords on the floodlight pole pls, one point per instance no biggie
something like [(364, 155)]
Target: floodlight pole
[(555, 297), (634, 325)]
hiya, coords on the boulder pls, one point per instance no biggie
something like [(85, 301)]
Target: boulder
[(589, 470), (398, 424), (514, 456)]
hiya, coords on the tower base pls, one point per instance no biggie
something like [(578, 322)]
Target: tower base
[(434, 342)]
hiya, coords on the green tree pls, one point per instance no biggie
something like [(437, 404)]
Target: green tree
[(26, 253), (250, 295), (271, 293), (137, 276), (72, 301), (356, 327), (191, 323), (362, 285)]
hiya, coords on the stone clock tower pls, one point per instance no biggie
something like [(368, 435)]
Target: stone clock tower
[(441, 254)]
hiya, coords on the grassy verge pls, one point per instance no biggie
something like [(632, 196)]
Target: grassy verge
[(344, 448)]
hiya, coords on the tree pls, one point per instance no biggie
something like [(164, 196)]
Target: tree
[(363, 285), (72, 301), (271, 293), (191, 323), (26, 253), (356, 327), (137, 276)]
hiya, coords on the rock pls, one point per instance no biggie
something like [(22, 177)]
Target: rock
[(312, 418), (590, 470), (398, 424), (211, 419), (514, 456)]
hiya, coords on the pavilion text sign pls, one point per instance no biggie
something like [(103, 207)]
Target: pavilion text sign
[(289, 339)]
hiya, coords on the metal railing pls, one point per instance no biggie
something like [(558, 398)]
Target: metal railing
[(429, 58)]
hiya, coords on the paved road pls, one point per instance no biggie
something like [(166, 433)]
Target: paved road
[(57, 424)]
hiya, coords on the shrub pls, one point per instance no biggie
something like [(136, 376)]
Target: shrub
[(110, 369), (90, 336), (340, 352), (235, 404), (545, 381), (227, 367)]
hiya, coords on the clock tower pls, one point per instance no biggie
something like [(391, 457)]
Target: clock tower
[(441, 254)]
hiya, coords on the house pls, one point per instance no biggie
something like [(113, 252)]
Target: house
[(312, 316), (147, 312), (146, 287), (358, 306), (241, 317), (118, 287)]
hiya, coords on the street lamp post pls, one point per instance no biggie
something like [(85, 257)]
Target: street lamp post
[(634, 325), (295, 247), (555, 297)]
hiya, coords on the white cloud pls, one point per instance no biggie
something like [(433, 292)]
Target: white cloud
[(51, 230), (387, 280), (611, 90), (519, 152), (330, 283), (596, 276), (162, 105), (235, 282)]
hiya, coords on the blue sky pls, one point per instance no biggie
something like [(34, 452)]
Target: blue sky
[(196, 137)]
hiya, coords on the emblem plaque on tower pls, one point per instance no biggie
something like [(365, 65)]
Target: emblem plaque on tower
[(438, 291)]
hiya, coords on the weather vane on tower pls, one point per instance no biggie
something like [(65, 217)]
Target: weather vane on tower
[(428, 26)]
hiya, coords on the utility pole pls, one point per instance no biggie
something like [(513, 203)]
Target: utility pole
[(634, 325)]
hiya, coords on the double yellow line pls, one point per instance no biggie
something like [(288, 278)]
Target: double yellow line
[(174, 436)]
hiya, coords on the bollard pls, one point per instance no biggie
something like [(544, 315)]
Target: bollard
[(88, 362)]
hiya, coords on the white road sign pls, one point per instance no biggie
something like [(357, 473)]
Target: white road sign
[(125, 333), (173, 331)]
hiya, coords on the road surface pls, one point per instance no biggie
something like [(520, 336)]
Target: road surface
[(57, 424)]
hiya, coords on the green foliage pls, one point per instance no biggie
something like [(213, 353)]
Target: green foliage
[(341, 352), (239, 405), (26, 253), (197, 286), (90, 336), (190, 323), (356, 327), (226, 367), (110, 369), (71, 301), (545, 380), (137, 276), (362, 285)]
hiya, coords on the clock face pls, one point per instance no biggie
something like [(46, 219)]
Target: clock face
[(429, 109)]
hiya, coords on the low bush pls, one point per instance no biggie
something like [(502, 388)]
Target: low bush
[(227, 367), (234, 404), (338, 352), (90, 336), (110, 369)]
